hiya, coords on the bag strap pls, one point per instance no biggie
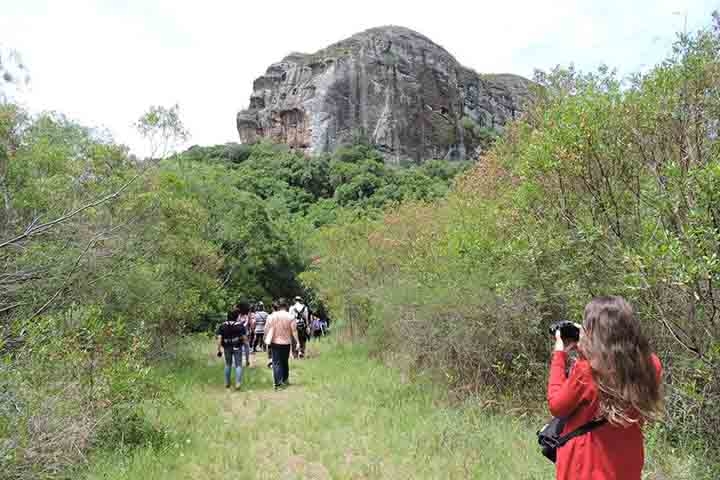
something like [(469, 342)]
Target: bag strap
[(582, 430)]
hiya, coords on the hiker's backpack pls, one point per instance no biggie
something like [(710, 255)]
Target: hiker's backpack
[(300, 318)]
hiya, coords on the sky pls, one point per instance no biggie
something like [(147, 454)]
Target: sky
[(104, 62)]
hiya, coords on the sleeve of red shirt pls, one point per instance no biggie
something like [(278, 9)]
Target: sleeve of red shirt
[(658, 367), (565, 394)]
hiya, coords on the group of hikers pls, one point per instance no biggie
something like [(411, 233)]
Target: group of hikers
[(284, 332)]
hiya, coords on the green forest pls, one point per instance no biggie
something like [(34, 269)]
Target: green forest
[(607, 185), (110, 260)]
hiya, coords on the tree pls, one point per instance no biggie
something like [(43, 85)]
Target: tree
[(163, 129)]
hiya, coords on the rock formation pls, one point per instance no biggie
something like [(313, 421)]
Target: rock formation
[(391, 86)]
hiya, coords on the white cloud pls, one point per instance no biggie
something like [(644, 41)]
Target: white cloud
[(104, 62)]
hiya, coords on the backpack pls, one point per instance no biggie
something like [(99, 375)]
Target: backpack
[(550, 436), (299, 318), (232, 334)]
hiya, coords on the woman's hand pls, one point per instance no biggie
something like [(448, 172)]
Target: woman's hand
[(582, 330)]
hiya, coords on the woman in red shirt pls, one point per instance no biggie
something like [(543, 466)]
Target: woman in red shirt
[(616, 378)]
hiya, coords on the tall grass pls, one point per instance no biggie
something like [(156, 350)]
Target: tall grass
[(345, 417)]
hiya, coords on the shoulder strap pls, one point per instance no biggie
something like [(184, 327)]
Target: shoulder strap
[(582, 430)]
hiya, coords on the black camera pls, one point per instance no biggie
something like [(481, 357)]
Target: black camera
[(568, 330)]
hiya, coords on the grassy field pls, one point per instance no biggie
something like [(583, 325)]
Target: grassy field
[(343, 417)]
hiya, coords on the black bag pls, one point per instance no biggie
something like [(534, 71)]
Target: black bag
[(550, 439), (300, 318)]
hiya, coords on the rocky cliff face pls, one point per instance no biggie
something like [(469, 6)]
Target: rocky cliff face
[(390, 85)]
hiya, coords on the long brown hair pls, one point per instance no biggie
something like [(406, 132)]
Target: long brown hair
[(620, 359)]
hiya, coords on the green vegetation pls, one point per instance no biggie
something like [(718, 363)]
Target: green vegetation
[(109, 260), (478, 136), (605, 187), (345, 416)]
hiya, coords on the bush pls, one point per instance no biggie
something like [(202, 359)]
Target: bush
[(128, 427)]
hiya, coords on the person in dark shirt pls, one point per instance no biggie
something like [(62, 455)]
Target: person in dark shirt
[(231, 335)]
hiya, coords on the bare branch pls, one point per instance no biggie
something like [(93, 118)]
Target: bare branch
[(90, 244), (11, 307), (34, 229)]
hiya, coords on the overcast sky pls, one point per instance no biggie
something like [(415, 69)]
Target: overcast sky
[(104, 62)]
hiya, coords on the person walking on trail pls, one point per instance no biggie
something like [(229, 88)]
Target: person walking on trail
[(251, 329), (261, 317), (280, 333), (317, 327), (243, 309), (300, 312), (231, 335), (616, 380)]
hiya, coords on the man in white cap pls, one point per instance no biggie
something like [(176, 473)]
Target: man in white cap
[(301, 314)]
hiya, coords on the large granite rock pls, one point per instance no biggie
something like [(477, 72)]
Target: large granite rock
[(392, 86)]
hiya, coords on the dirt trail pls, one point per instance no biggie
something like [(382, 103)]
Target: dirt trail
[(252, 403)]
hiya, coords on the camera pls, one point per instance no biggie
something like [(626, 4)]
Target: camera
[(568, 330)]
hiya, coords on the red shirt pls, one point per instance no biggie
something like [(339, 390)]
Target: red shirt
[(608, 452)]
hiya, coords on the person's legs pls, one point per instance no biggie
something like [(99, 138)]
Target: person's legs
[(285, 363), (228, 354), (302, 336), (259, 341), (276, 365), (237, 358), (246, 350)]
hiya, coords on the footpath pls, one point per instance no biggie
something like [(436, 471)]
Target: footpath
[(343, 417)]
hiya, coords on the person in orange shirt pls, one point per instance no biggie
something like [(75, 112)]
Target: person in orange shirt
[(617, 379)]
